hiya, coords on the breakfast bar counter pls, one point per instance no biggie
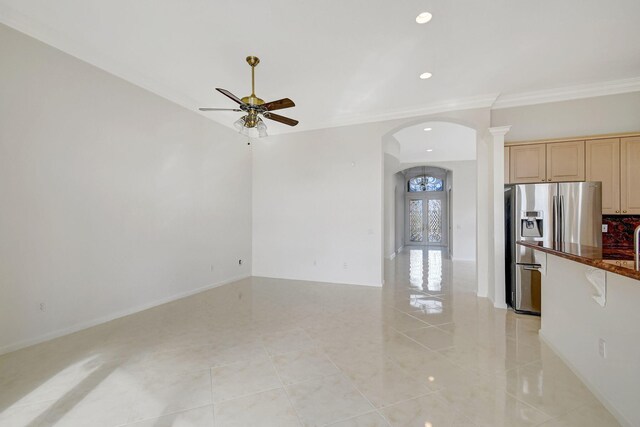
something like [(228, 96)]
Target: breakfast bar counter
[(592, 256)]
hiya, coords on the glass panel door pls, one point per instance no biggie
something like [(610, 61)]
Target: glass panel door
[(434, 225), (426, 219), (416, 221)]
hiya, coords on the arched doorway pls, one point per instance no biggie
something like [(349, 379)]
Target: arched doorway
[(456, 149)]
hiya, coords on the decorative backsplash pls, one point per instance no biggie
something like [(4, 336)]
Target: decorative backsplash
[(620, 234)]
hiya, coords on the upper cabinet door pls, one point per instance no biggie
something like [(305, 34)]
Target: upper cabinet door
[(565, 161), (630, 175), (507, 178), (527, 163), (603, 164)]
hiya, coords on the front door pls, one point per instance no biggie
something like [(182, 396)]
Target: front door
[(426, 219)]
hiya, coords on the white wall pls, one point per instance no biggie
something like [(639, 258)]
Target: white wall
[(589, 116), (464, 209), (317, 204), (573, 323), (112, 198)]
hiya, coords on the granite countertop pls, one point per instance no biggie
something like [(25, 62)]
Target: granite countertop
[(591, 256)]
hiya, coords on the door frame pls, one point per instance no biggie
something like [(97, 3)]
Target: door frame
[(425, 196)]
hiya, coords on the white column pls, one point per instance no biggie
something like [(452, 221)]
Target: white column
[(484, 221), (497, 149)]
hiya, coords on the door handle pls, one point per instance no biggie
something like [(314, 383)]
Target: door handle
[(554, 210)]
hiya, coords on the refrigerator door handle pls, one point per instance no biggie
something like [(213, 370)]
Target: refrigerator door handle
[(560, 219), (554, 210)]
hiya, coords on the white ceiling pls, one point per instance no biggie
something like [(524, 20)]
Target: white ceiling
[(449, 142), (343, 62)]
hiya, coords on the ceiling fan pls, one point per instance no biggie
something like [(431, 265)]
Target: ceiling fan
[(251, 124)]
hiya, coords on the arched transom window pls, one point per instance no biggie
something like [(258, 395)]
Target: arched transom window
[(425, 183)]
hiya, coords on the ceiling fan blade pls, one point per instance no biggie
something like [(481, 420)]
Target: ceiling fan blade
[(279, 104), (281, 119), (229, 95), (219, 109)]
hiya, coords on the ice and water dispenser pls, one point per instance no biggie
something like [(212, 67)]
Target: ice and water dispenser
[(531, 224)]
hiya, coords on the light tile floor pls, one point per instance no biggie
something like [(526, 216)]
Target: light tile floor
[(422, 351)]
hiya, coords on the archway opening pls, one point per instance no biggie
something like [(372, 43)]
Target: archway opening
[(440, 156)]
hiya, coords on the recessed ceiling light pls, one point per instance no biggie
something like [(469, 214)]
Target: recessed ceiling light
[(424, 17), (427, 129), (429, 150), (425, 76)]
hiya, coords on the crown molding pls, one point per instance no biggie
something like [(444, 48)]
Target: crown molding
[(473, 102), (568, 93)]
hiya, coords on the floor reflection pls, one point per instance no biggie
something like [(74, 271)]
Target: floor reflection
[(416, 268), (423, 349)]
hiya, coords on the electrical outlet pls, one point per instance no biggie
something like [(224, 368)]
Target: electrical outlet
[(43, 307), (605, 228), (602, 348)]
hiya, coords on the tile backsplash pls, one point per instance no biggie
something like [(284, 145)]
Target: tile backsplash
[(620, 234)]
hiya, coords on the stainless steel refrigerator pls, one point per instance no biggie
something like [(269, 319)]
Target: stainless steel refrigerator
[(558, 215)]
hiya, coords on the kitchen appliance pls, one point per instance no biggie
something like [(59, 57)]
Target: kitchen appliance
[(557, 215)]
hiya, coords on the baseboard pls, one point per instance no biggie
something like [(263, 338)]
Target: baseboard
[(84, 325), (618, 416), (499, 304)]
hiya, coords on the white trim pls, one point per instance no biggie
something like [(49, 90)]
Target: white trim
[(592, 388), (472, 102), (84, 325), (497, 210), (501, 305), (568, 93), (499, 130)]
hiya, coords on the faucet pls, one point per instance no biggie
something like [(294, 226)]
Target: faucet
[(636, 247)]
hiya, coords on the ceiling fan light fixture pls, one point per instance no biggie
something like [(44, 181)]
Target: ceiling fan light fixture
[(261, 128), (257, 131), (239, 124), (251, 124)]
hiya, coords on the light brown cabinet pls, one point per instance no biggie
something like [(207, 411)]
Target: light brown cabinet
[(527, 163), (554, 162), (613, 160), (565, 161), (630, 176), (603, 164)]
